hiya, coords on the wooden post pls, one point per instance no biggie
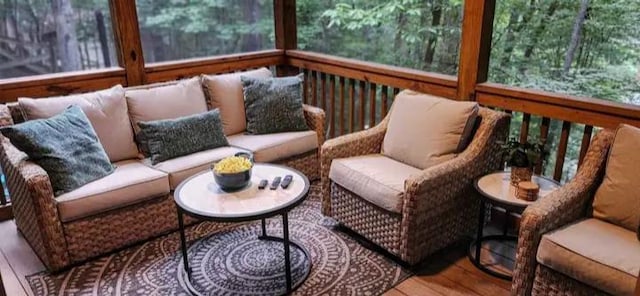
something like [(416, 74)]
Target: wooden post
[(127, 38), (477, 27), (284, 17)]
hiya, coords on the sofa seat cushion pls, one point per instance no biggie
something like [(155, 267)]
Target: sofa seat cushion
[(426, 130), (376, 178), (131, 182), (594, 252), (273, 147), (183, 167)]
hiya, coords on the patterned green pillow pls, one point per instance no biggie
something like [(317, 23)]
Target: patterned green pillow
[(274, 105), (170, 138), (65, 146)]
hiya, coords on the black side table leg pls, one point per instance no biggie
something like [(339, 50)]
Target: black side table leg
[(479, 234), (183, 244), (505, 227), (287, 260), (264, 228)]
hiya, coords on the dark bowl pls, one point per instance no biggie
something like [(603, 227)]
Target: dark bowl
[(234, 181)]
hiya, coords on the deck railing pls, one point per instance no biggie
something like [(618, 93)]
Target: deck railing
[(356, 95)]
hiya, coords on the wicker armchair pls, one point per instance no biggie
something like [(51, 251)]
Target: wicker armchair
[(439, 204), (565, 206)]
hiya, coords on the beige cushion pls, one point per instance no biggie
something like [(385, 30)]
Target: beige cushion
[(617, 200), (106, 110), (272, 147), (425, 130), (166, 102), (130, 183), (376, 178), (225, 92), (594, 252), (181, 168)]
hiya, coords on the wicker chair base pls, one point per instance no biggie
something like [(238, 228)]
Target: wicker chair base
[(100, 234), (378, 226), (307, 163), (550, 282)]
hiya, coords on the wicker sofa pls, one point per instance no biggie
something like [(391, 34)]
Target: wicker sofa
[(563, 250), (438, 204), (121, 219)]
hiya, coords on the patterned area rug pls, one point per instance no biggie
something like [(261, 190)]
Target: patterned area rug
[(230, 260)]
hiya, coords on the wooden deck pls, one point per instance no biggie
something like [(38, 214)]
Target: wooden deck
[(446, 273)]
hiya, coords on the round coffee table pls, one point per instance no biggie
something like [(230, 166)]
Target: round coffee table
[(496, 189), (199, 196)]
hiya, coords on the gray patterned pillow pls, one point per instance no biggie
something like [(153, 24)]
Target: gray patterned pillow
[(274, 105), (65, 146), (170, 138)]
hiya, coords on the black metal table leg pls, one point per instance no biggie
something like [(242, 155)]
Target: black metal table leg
[(505, 227), (480, 232), (287, 259), (183, 244), (264, 228)]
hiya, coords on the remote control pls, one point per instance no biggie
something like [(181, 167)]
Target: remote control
[(275, 183), (287, 180), (263, 184)]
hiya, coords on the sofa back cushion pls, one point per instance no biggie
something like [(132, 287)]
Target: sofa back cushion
[(426, 130), (106, 110), (166, 101), (225, 92), (617, 200)]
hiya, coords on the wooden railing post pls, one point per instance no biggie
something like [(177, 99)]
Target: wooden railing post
[(475, 49), (127, 38), (286, 31)]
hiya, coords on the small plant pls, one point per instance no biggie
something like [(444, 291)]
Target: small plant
[(523, 155)]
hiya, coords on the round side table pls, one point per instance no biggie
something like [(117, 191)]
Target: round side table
[(496, 190), (199, 196)]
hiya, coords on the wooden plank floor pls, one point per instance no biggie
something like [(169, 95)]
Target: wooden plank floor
[(448, 272)]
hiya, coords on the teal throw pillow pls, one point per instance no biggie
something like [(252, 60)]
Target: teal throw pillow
[(170, 138), (273, 105), (65, 146)]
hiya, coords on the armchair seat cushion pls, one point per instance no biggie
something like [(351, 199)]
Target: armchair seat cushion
[(183, 167), (375, 178), (595, 252), (130, 183), (273, 147)]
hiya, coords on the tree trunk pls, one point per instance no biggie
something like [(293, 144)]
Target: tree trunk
[(66, 38), (250, 12), (575, 36), (528, 52), (436, 16), (401, 20)]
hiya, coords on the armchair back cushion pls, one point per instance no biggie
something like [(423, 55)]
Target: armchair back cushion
[(426, 130), (107, 113), (166, 102), (617, 200), (225, 93)]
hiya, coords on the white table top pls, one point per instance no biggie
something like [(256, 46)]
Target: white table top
[(201, 195), (497, 187)]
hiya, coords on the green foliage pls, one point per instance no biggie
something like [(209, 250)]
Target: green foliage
[(527, 154)]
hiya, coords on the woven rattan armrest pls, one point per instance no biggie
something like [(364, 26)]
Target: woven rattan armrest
[(359, 143), (315, 118), (450, 184), (34, 207), (561, 207)]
